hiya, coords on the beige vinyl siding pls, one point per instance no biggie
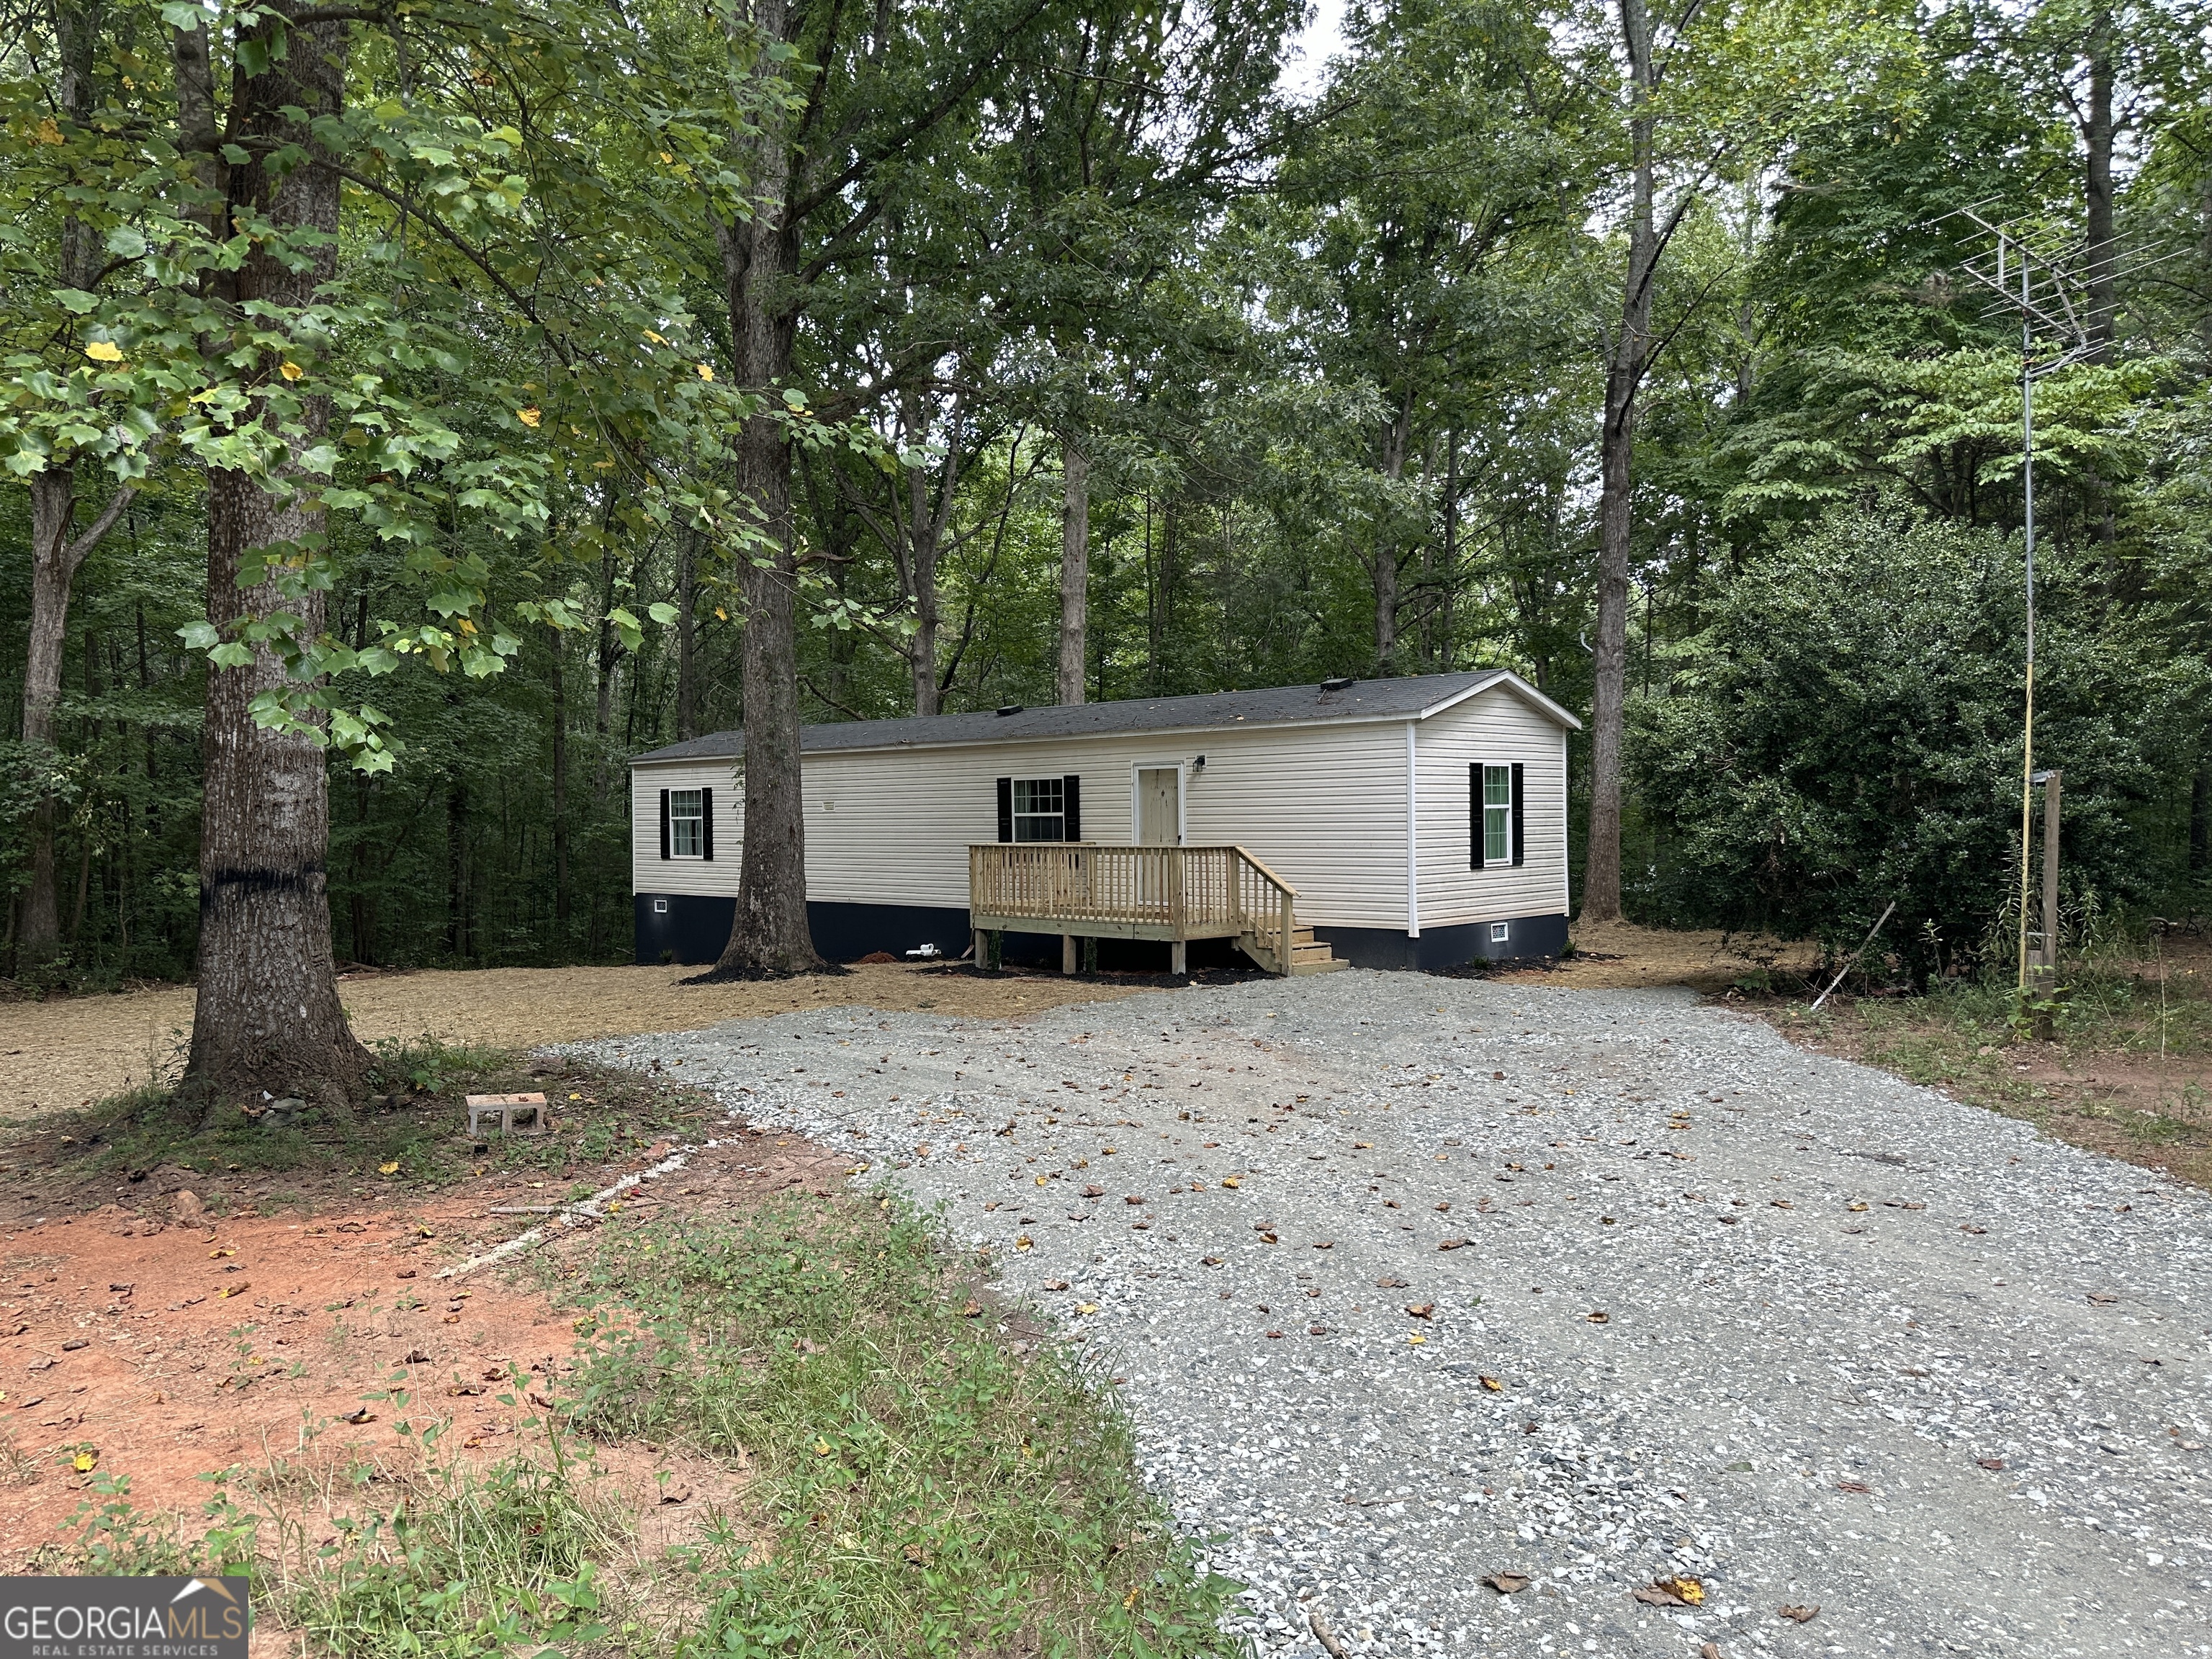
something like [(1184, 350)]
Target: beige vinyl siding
[(1323, 807), (1496, 729), (649, 873)]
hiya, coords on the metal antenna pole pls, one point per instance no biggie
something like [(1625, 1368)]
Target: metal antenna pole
[(2027, 484)]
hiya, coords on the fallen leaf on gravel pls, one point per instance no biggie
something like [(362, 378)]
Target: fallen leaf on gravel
[(1022, 1242), (1451, 1244), (2101, 1299), (1055, 1284), (1800, 1615), (1859, 1486), (1498, 1077), (1420, 1310), (1269, 1238), (1416, 1340), (217, 1254), (1992, 1464), (1728, 1220), (464, 1390), (233, 1289), (1086, 1307), (1970, 1228), (1230, 1182), (675, 1495), (364, 1415), (1325, 1244), (1493, 1384), (387, 1168), (1709, 1650), (1676, 1592), (1390, 1283), (1211, 1260), (1444, 1208), (1316, 1330), (1094, 1192), (1275, 1334), (1601, 1317), (1133, 1197), (1362, 1146), (1782, 1204), (414, 1357), (1856, 1208), (971, 1311), (1508, 1583)]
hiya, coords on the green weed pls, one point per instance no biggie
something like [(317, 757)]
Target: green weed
[(930, 1491)]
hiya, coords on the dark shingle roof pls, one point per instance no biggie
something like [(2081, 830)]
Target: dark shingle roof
[(1362, 700)]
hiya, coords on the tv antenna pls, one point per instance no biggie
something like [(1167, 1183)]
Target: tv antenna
[(2043, 275)]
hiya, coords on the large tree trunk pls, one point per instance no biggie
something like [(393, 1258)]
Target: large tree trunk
[(561, 901), (269, 1017), (768, 932), (1627, 361), (54, 556), (1384, 569), (2097, 192), (687, 637), (1074, 566)]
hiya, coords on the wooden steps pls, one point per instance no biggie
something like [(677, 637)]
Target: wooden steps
[(1308, 955)]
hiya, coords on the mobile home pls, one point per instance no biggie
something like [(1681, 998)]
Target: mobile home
[(1419, 820)]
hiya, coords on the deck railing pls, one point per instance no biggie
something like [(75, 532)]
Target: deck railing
[(1173, 893)]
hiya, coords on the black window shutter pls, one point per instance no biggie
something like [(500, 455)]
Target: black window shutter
[(706, 823), (1517, 769), (1474, 816), (1070, 789), (1006, 808), (664, 824)]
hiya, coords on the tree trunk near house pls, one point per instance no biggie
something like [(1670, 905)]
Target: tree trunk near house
[(687, 637), (769, 937), (561, 898), (1384, 568), (269, 1017), (55, 556), (1627, 359), (1074, 566), (926, 523)]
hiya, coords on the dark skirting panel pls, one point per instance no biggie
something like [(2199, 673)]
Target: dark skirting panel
[(1447, 947), (692, 929)]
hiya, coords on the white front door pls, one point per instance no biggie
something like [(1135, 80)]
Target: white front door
[(1159, 806)]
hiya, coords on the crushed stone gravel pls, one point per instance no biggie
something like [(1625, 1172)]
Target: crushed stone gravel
[(1775, 1328)]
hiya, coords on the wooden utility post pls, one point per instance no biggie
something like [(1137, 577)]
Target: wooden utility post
[(2044, 980)]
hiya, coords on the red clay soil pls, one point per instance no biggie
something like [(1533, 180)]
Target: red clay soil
[(172, 1350)]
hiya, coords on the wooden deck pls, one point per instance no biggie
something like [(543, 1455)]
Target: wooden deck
[(1177, 894)]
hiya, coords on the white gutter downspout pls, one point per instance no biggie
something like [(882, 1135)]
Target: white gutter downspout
[(1412, 834)]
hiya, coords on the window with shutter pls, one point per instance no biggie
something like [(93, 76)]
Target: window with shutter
[(687, 834), (707, 824), (664, 824), (1006, 808), (1071, 796), (1497, 815), (1040, 809)]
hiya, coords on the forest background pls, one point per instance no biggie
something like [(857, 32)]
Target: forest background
[(1625, 348)]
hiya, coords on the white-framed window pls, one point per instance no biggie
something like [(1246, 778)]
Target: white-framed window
[(1497, 815), (1500, 932), (687, 823), (1040, 809)]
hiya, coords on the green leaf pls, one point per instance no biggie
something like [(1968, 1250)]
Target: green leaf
[(662, 612)]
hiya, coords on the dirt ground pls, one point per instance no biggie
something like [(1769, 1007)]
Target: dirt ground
[(165, 1349), (1621, 956), (71, 1051)]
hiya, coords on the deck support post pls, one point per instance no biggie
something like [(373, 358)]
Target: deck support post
[(1068, 953), (1177, 957)]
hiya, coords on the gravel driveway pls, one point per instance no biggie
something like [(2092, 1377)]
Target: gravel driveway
[(1410, 1282)]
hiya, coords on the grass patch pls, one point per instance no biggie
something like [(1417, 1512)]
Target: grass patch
[(411, 1134), (924, 1488)]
